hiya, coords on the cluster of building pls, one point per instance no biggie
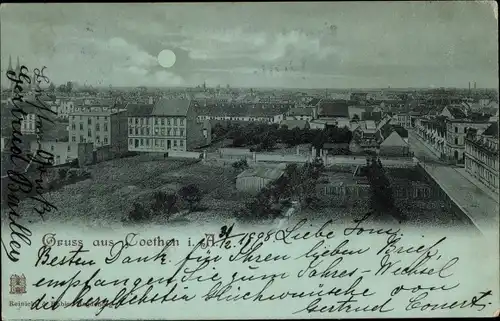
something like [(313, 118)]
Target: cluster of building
[(465, 134)]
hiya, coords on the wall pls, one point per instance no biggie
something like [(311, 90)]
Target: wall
[(119, 132), (260, 157), (182, 154), (251, 184)]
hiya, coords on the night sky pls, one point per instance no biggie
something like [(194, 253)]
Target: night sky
[(295, 45)]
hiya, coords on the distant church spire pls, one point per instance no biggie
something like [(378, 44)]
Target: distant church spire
[(18, 66), (10, 63)]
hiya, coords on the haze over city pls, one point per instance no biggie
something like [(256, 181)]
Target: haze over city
[(292, 45)]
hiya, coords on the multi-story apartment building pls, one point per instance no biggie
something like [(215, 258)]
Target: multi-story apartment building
[(456, 130), (171, 124), (63, 107), (102, 126), (481, 156)]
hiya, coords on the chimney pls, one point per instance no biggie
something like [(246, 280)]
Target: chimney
[(474, 85)]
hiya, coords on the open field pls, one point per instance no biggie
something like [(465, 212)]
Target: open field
[(115, 185)]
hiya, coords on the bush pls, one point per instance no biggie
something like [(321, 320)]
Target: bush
[(241, 164), (190, 194), (62, 172), (163, 203), (138, 213)]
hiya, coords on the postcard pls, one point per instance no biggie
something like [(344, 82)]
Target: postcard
[(296, 160)]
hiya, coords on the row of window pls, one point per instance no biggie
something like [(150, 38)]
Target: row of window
[(490, 161), (157, 121), (234, 118), (89, 118), (157, 131), (97, 127), (482, 171), (83, 140), (149, 142)]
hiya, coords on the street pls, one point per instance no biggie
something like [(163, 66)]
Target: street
[(479, 207)]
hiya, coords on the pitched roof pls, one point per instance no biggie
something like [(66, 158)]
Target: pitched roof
[(371, 115), (456, 112), (329, 108), (262, 172), (139, 109), (294, 123), (394, 140), (492, 130), (300, 112), (171, 107)]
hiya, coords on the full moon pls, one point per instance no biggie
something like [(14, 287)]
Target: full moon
[(166, 58)]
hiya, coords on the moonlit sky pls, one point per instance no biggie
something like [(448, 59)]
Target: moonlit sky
[(306, 45)]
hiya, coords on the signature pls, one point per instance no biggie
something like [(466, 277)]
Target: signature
[(19, 179)]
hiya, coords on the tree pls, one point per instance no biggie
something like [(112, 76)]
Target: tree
[(242, 164), (69, 87), (62, 88), (190, 194), (52, 87)]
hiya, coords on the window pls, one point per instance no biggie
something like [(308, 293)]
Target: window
[(147, 121), (456, 141), (130, 142), (81, 138), (142, 131), (105, 118), (52, 148), (162, 143), (105, 140), (156, 121), (69, 148), (73, 139), (456, 129), (130, 131), (156, 142), (181, 121), (175, 121), (89, 121), (163, 121), (163, 131), (181, 143), (175, 143), (147, 131), (73, 126), (465, 130), (148, 142), (89, 133), (168, 121), (169, 132), (142, 121), (105, 127), (97, 138), (130, 121), (81, 126), (182, 132), (137, 121), (142, 141), (97, 127)]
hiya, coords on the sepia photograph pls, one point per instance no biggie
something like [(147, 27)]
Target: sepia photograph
[(253, 115)]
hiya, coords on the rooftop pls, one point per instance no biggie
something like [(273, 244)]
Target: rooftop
[(262, 172), (171, 107), (138, 110)]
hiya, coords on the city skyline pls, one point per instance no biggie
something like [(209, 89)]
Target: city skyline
[(261, 45)]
